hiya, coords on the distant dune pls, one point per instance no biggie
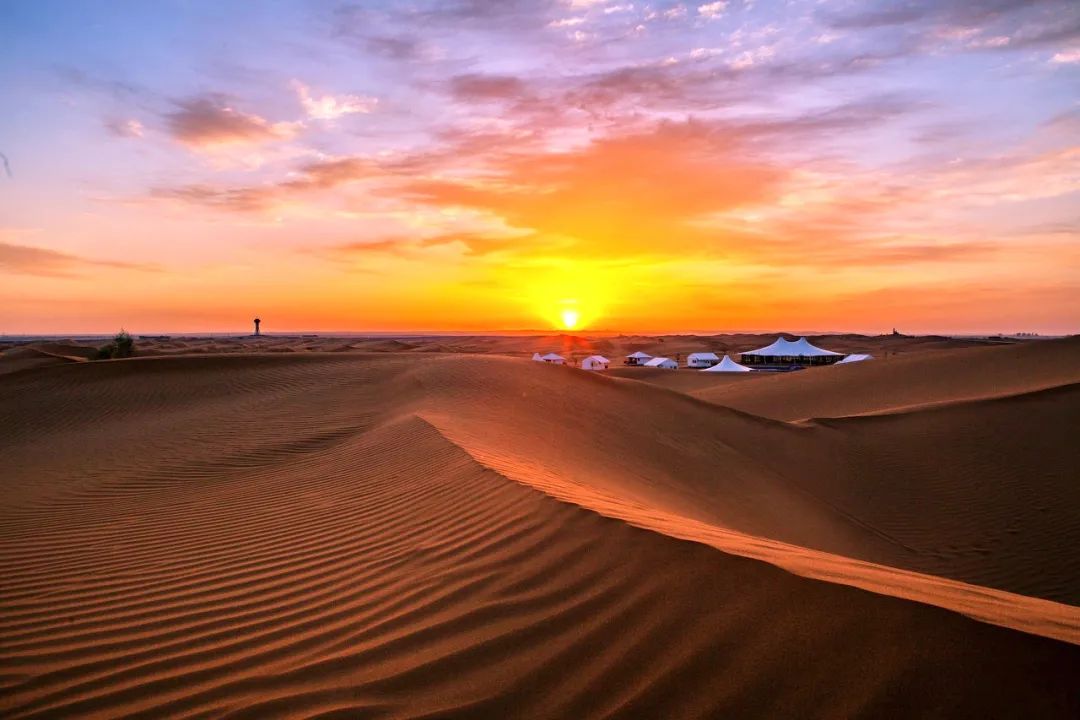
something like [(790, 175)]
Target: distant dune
[(410, 533)]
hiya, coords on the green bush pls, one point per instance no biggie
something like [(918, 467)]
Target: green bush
[(122, 346)]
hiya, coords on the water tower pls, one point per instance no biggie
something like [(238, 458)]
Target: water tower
[(257, 321)]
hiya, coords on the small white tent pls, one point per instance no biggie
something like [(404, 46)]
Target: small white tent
[(554, 359), (537, 357), (637, 358), (727, 365), (595, 362), (666, 363), (856, 357), (702, 359)]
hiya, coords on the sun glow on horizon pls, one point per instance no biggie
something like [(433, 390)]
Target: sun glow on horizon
[(572, 294)]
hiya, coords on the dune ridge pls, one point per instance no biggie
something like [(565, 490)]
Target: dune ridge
[(1028, 614), (348, 535)]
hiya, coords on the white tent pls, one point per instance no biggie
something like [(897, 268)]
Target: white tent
[(791, 348), (727, 365), (790, 352), (666, 363), (637, 358), (553, 358), (702, 359), (595, 362), (857, 357), (537, 357)]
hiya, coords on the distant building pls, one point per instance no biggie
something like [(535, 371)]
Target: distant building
[(595, 362), (662, 362), (702, 359), (788, 353), (554, 359), (537, 357), (637, 358)]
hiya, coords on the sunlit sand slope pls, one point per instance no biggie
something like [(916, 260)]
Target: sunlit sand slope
[(324, 536)]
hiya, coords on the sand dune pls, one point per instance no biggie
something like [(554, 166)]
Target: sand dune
[(859, 491), (341, 535), (45, 354)]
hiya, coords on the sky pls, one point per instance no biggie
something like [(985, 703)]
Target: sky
[(183, 166)]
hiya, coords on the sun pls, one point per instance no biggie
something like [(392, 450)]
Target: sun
[(570, 318)]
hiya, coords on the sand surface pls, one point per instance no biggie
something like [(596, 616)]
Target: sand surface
[(339, 528)]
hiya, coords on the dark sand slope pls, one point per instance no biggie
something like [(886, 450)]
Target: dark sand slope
[(984, 491), (297, 536)]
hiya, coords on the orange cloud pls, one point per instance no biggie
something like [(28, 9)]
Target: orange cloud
[(634, 193), (28, 260)]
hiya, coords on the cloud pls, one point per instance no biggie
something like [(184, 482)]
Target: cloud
[(208, 122), (29, 260), (955, 12), (240, 199), (315, 176), (124, 128), (1013, 177), (712, 10), (709, 82), (986, 25), (480, 87), (1066, 57), (462, 243), (326, 174), (330, 107), (629, 193)]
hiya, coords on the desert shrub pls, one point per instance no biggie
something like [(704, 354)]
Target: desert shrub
[(121, 346)]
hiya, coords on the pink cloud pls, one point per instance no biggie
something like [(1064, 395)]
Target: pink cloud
[(208, 122), (331, 107)]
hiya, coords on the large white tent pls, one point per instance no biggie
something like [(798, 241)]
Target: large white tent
[(785, 351), (638, 358), (791, 348), (702, 359), (856, 357), (595, 362), (662, 362), (553, 358), (727, 365)]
